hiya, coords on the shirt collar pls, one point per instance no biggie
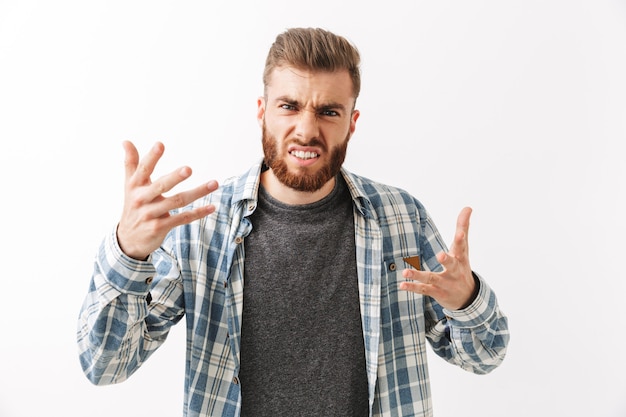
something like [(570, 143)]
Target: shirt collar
[(246, 189), (361, 199)]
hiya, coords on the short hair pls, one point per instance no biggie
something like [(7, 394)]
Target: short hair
[(314, 49)]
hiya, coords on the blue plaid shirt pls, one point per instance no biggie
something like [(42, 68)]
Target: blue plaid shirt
[(198, 273)]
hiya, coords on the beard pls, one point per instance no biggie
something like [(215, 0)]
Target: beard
[(305, 179)]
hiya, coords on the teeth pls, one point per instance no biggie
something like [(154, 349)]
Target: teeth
[(304, 155)]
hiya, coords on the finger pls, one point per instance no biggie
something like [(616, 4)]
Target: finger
[(460, 243), (182, 199), (146, 165), (189, 216), (425, 277), (445, 260), (167, 183), (131, 158), (463, 221), (415, 287), (420, 288)]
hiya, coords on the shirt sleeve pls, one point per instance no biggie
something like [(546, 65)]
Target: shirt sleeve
[(127, 313), (474, 338)]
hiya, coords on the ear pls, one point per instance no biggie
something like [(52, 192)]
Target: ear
[(353, 119), (260, 112)]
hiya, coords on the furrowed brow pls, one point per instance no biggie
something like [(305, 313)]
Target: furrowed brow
[(331, 106), (318, 108), (288, 100)]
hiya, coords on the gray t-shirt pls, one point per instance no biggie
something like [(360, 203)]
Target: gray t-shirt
[(302, 350)]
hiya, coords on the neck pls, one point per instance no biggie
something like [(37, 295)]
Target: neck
[(288, 195)]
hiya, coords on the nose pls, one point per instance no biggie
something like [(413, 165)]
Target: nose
[(307, 126)]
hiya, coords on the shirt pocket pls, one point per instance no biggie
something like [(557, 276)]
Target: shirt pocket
[(402, 312)]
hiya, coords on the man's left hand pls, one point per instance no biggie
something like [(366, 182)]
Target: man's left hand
[(453, 288)]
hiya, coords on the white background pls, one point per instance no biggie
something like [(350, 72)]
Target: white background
[(516, 108)]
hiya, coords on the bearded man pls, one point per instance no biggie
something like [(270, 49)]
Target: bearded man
[(306, 289)]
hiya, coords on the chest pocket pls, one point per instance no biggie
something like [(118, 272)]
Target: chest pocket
[(402, 312)]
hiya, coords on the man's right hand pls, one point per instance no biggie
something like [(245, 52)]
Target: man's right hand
[(146, 217)]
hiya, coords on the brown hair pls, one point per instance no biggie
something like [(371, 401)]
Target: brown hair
[(316, 50)]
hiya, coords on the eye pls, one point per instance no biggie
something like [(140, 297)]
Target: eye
[(328, 112), (289, 107)]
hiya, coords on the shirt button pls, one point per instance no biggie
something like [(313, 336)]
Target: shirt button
[(392, 267), (251, 207), (238, 240), (149, 280), (225, 284), (236, 381)]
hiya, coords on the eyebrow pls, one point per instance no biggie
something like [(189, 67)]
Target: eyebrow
[(325, 106)]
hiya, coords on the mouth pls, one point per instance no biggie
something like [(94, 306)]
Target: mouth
[(304, 155)]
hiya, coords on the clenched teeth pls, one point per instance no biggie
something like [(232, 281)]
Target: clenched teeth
[(304, 155)]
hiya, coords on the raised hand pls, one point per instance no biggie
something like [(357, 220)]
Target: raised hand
[(454, 287), (146, 217)]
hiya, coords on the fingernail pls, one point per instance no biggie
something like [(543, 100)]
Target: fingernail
[(185, 171)]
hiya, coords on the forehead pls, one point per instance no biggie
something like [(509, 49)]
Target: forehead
[(310, 86)]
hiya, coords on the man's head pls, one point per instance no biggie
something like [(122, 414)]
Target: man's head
[(307, 112)]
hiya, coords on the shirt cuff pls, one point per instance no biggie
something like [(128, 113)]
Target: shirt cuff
[(125, 274), (479, 311)]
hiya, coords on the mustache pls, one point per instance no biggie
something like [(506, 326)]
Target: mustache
[(311, 142)]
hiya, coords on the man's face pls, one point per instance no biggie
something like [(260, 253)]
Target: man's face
[(307, 120)]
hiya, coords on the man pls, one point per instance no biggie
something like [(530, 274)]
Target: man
[(307, 290)]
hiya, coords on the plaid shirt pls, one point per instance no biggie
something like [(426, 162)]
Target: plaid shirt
[(198, 273)]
